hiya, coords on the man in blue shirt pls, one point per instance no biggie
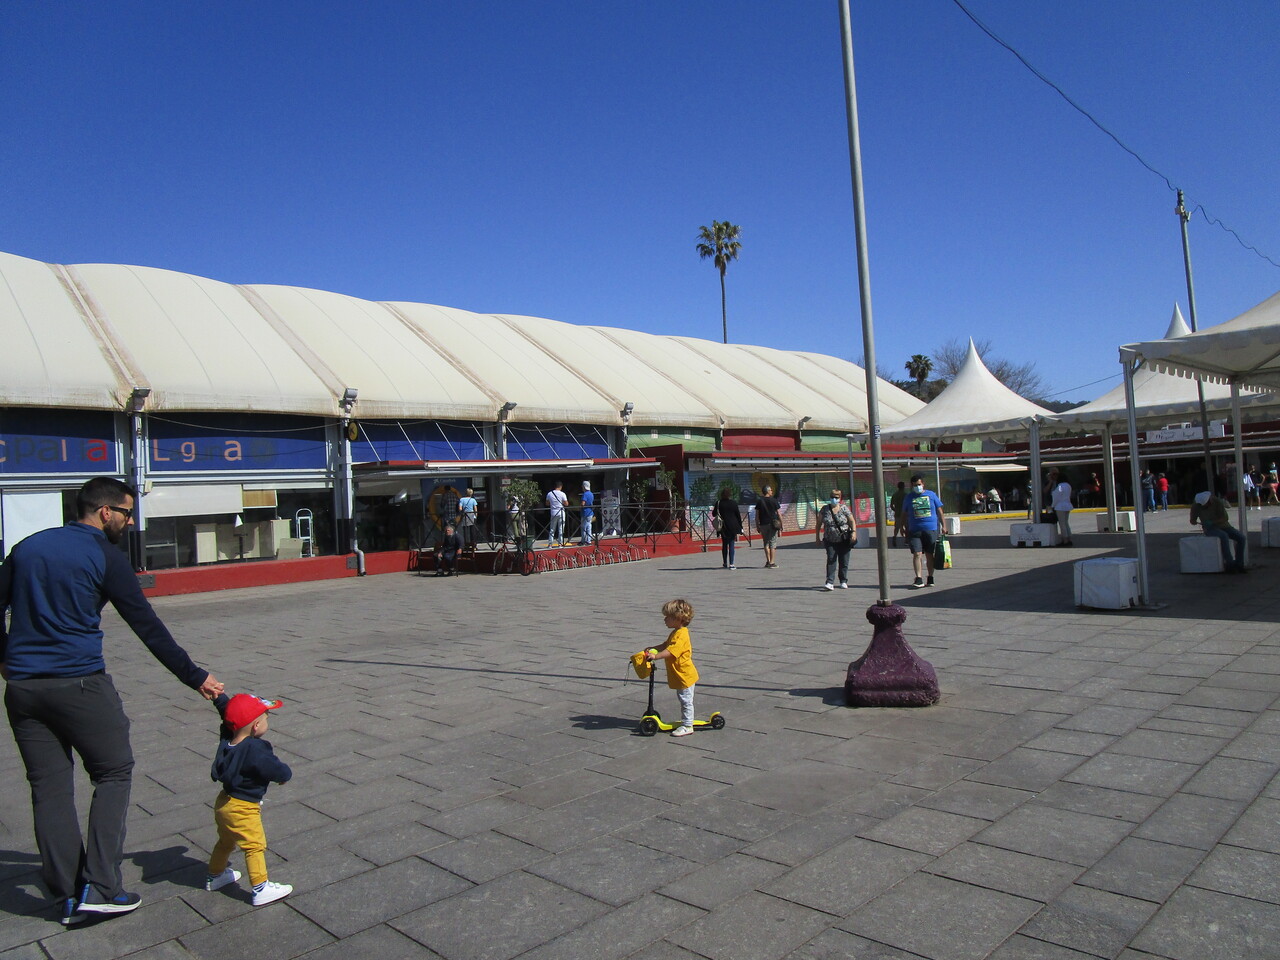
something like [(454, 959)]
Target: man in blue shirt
[(60, 698), (925, 518), (588, 502)]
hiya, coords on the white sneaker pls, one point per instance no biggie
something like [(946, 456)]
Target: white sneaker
[(844, 586), (828, 586), (732, 567), (270, 893), (682, 731), (225, 878)]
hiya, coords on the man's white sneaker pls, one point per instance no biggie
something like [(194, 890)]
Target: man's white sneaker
[(828, 586), (682, 731), (224, 879), (270, 892)]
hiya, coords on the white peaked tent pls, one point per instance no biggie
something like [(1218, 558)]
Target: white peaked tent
[(1244, 352), (1158, 398), (976, 404)]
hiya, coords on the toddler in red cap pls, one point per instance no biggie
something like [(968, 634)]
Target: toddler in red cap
[(245, 765)]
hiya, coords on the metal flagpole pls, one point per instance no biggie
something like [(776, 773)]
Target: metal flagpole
[(864, 297), (1183, 217)]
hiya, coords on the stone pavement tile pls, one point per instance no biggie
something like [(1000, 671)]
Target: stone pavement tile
[(1154, 683), (877, 754), (1019, 947), (18, 931), (937, 772), (1072, 741), (476, 817), (277, 932), (730, 817), (282, 819), (753, 927), (662, 950), (380, 941), (1194, 727), (1141, 868), (1025, 769), (724, 880), (330, 743), (1191, 821), (1092, 921), (836, 944), (1232, 779), (1006, 870), (364, 798), (1199, 924), (699, 844), (971, 799), (1107, 719), (481, 857), (1056, 834), (562, 788), (169, 950), (1163, 745), (378, 895), (925, 831), (1251, 746), (1241, 872), (152, 923), (612, 869), (805, 787), (499, 919), (620, 932), (395, 843), (1160, 778), (1256, 828), (1014, 732), (693, 762), (882, 800), (584, 819), (795, 844), (963, 922), (1224, 717), (1228, 698), (310, 872), (30, 951), (338, 831), (673, 786), (549, 777), (846, 876), (1102, 801)]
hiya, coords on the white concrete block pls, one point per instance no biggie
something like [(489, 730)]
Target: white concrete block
[(1200, 555), (1108, 583), (1271, 532), (1126, 522), (952, 526), (1033, 534)]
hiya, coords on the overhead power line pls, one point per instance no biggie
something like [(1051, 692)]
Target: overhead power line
[(1214, 221)]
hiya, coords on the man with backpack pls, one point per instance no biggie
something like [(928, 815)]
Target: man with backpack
[(836, 532)]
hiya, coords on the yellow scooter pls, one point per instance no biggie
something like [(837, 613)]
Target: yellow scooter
[(652, 721)]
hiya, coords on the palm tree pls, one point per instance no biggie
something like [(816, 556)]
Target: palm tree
[(919, 366), (719, 242)]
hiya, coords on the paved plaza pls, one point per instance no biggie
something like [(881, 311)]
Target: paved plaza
[(468, 782)]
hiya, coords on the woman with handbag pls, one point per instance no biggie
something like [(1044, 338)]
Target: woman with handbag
[(836, 531), (727, 519)]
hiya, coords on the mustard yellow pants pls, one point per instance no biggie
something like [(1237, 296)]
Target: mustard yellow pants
[(239, 825)]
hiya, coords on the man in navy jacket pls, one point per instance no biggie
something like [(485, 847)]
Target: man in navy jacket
[(60, 698)]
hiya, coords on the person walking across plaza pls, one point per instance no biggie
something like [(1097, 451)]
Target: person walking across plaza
[(835, 531), (245, 765), (1059, 496), (60, 699), (677, 651), (769, 523), (1148, 482), (1211, 513), (895, 511), (1162, 491), (730, 516), (925, 520), (557, 501), (588, 513)]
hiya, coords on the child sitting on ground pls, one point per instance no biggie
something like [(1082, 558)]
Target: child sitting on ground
[(245, 765), (677, 651)]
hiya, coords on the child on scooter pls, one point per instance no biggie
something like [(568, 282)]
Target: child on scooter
[(677, 651)]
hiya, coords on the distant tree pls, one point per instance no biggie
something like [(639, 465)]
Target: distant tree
[(919, 366), (1021, 378), (719, 243)]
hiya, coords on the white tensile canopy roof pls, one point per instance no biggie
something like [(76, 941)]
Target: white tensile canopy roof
[(974, 404), (1245, 350), (86, 336), (1158, 397)]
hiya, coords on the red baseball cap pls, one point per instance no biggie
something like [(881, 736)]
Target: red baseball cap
[(244, 708)]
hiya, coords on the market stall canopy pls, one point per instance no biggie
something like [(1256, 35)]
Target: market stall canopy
[(974, 404), (1158, 398), (1245, 350), (88, 336)]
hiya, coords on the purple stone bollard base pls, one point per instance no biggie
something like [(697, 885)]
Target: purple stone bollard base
[(890, 673)]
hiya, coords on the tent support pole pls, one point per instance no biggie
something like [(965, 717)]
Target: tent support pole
[(1109, 472), (1183, 217), (1036, 500), (1144, 589), (1242, 508)]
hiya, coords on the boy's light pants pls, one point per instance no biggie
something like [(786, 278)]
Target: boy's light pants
[(239, 825)]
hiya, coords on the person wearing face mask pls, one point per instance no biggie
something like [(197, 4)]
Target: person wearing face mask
[(925, 518), (835, 531)]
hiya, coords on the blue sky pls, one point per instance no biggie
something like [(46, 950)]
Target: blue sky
[(557, 158)]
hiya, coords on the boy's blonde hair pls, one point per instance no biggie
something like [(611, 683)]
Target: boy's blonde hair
[(682, 610)]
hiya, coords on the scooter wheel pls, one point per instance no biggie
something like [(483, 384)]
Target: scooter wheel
[(717, 722), (648, 727)]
